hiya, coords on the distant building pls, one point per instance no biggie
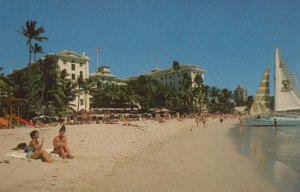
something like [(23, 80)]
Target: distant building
[(75, 64), (103, 74), (173, 78), (240, 95)]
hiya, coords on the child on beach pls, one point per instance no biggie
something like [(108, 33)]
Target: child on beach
[(61, 145), (34, 149)]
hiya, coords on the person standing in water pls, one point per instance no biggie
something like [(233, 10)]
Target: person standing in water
[(275, 123)]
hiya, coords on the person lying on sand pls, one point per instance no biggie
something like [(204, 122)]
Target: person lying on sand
[(61, 145), (126, 123), (34, 149)]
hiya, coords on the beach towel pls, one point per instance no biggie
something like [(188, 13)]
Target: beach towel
[(20, 154), (17, 154)]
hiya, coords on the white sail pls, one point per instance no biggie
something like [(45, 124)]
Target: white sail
[(262, 102), (287, 96)]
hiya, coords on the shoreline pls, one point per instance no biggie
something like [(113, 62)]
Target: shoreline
[(104, 153)]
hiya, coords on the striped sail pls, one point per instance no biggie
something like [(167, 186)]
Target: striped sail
[(262, 102), (287, 96)]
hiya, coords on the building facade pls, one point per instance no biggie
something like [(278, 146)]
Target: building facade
[(75, 64), (173, 78), (240, 95), (103, 74)]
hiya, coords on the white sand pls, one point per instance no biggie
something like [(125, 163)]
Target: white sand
[(156, 157)]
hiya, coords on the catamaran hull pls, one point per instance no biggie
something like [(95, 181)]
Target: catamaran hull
[(269, 121)]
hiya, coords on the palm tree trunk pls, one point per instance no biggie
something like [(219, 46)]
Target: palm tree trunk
[(85, 99), (42, 99), (30, 51), (78, 102)]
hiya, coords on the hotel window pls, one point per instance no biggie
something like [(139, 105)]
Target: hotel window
[(73, 66), (178, 74), (81, 64), (81, 74), (166, 77), (81, 101), (170, 83), (170, 77), (161, 78), (73, 77)]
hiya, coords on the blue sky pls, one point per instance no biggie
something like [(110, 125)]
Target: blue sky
[(233, 40)]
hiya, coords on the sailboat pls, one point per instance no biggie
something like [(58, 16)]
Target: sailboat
[(286, 98)]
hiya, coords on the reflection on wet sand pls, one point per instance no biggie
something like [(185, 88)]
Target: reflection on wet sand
[(276, 153)]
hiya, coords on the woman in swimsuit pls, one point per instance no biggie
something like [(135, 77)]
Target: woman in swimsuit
[(60, 144), (34, 149)]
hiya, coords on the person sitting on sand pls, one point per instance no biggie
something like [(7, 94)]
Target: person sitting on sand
[(161, 119), (61, 145), (34, 149), (126, 123)]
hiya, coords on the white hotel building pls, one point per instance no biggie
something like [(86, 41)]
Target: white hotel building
[(78, 64), (75, 64), (173, 78)]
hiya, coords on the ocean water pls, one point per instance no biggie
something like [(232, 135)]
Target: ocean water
[(276, 153)]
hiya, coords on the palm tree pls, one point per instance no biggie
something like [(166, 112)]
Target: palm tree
[(176, 69), (214, 94), (226, 98), (48, 91), (80, 83), (170, 99), (187, 92), (36, 50), (32, 33), (200, 93), (144, 88), (87, 85), (67, 86), (4, 84)]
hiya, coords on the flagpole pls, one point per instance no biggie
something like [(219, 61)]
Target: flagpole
[(97, 52)]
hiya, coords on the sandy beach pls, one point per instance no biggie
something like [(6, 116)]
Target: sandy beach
[(171, 156)]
